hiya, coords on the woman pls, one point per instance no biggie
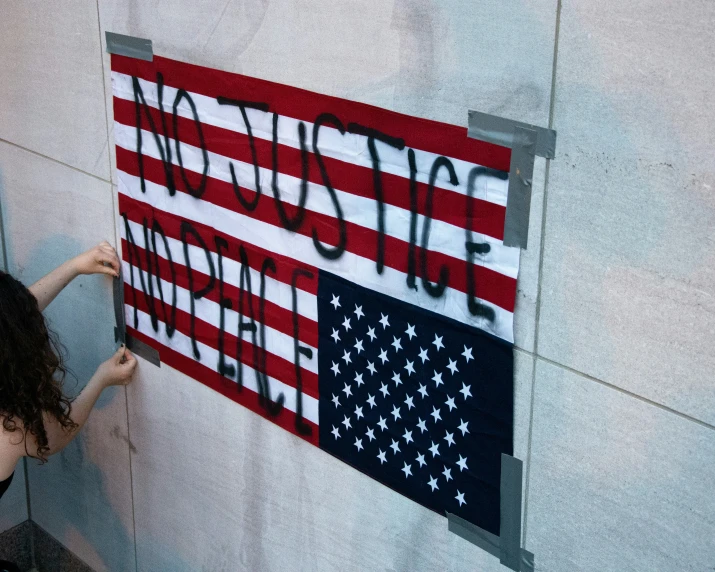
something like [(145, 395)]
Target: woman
[(37, 419)]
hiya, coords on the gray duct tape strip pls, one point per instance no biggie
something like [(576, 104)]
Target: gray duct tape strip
[(143, 350), (506, 546), (510, 514), (120, 329), (521, 174), (500, 131), (486, 541), (129, 46)]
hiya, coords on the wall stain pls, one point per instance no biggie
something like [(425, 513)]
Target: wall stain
[(117, 435)]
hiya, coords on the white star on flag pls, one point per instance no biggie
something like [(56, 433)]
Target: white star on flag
[(407, 436), (437, 378), (438, 342), (462, 463), (384, 321), (449, 437), (358, 312), (336, 301), (423, 355), (463, 427)]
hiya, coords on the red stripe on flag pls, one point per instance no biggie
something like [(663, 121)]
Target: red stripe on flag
[(448, 206), (276, 316), (491, 286), (286, 419), (418, 133), (276, 367)]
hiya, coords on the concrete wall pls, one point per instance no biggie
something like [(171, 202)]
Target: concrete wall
[(615, 400)]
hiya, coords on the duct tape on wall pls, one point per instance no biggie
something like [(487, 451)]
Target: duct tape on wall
[(129, 46), (500, 131), (526, 142), (506, 546), (120, 330), (518, 201)]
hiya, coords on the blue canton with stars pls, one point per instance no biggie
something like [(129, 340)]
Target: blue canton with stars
[(417, 401)]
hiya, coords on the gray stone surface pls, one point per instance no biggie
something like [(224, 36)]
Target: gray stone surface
[(629, 263), (82, 496), (616, 484), (51, 556), (51, 97), (15, 545)]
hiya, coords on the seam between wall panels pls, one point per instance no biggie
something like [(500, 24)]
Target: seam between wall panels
[(118, 246), (640, 398), (541, 266), (28, 150)]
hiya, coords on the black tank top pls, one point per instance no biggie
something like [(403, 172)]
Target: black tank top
[(5, 484)]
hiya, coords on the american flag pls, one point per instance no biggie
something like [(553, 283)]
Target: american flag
[(244, 203)]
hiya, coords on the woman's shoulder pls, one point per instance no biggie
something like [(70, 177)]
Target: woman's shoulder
[(12, 448)]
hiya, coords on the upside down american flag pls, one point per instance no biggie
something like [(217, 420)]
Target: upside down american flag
[(335, 267)]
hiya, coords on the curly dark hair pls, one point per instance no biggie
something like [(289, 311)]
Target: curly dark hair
[(31, 367)]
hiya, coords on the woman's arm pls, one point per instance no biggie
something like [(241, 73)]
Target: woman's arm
[(117, 370), (93, 261)]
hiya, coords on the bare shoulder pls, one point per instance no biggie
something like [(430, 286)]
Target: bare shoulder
[(12, 449)]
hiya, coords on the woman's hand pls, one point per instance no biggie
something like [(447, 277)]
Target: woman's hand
[(118, 369), (95, 261)]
